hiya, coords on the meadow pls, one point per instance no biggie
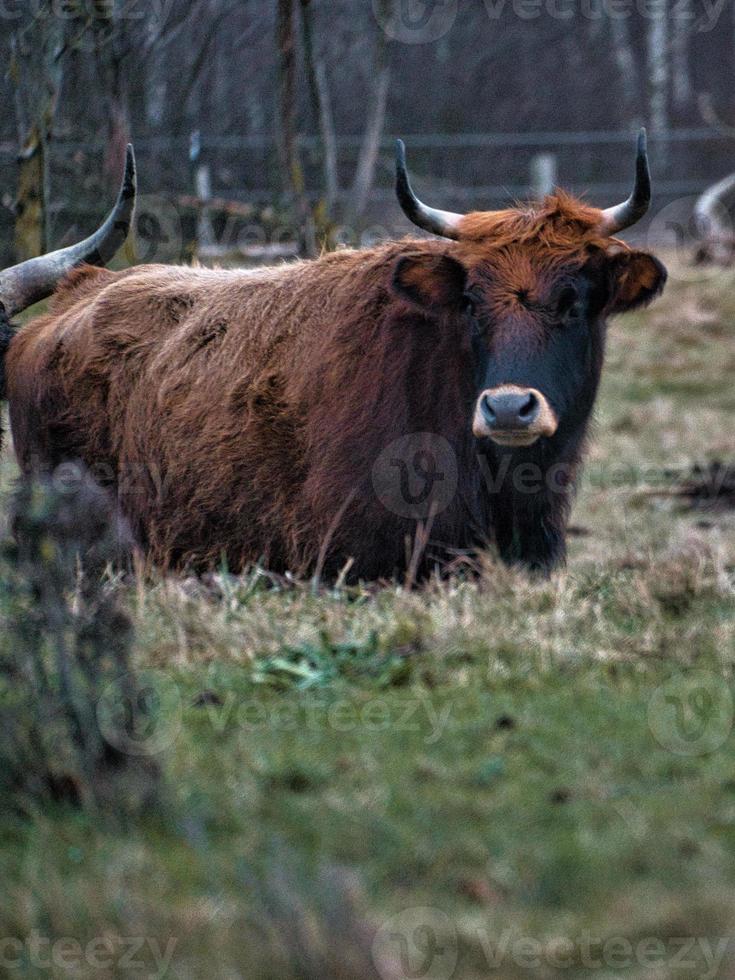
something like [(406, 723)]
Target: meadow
[(481, 777)]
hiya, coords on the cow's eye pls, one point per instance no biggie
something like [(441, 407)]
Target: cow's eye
[(469, 304), (569, 305)]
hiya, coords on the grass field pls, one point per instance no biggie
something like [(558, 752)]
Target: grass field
[(498, 778)]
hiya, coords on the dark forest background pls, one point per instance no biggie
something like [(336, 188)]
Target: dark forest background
[(283, 112)]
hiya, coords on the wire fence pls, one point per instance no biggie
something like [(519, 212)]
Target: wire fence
[(423, 140), (455, 170), (684, 161)]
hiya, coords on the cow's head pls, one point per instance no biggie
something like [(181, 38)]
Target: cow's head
[(535, 286)]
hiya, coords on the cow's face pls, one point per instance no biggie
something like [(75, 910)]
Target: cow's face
[(536, 317), (535, 285)]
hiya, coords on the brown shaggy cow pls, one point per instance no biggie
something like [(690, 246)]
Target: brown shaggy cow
[(387, 407)]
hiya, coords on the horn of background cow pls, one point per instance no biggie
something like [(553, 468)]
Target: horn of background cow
[(29, 282), (444, 223), (624, 215)]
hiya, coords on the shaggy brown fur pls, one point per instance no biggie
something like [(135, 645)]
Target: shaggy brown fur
[(238, 415)]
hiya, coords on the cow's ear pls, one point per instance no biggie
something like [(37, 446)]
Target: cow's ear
[(431, 281), (635, 279)]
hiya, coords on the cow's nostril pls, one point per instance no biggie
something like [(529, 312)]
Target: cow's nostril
[(486, 406), (529, 409)]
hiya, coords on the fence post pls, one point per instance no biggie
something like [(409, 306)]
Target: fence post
[(543, 175), (203, 191)]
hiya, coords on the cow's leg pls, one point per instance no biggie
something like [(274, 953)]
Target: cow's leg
[(531, 528), (540, 537)]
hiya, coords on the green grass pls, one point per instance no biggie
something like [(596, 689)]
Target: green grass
[(548, 762)]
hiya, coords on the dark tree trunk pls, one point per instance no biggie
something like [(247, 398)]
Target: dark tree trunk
[(322, 112), (36, 70), (293, 171)]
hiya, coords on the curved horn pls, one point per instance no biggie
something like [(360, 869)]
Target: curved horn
[(624, 215), (711, 211), (25, 284), (444, 223)]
